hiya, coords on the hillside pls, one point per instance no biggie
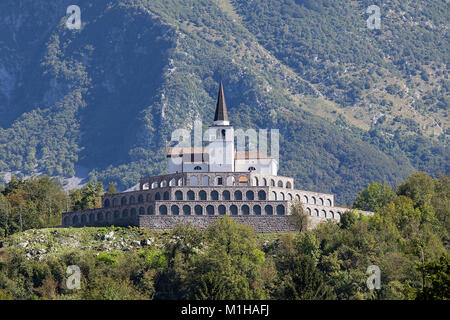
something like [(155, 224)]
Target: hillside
[(352, 105)]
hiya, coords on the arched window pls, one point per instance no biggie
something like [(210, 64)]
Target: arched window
[(173, 182), (166, 195), (146, 186), (251, 168), (202, 195), (84, 218), (280, 210), (329, 202), (331, 215), (308, 210), (154, 185), (297, 197), (163, 184), (214, 195), (198, 210), (91, 217), (157, 196), (132, 200), (243, 181), (149, 197), (178, 195), (222, 209), (316, 212), (305, 199), (272, 183), (205, 180), (133, 212), (250, 195), (125, 213), (150, 210), (186, 210), (255, 181), (190, 195), (264, 182), (140, 198), (175, 210), (218, 181), (269, 210), (193, 181), (163, 210), (313, 200), (230, 181), (226, 195), (107, 203), (141, 210), (115, 202), (280, 184), (338, 216), (273, 195), (180, 182), (245, 209), (210, 210), (320, 202), (108, 216), (257, 209), (123, 201), (282, 196), (234, 210), (261, 195), (116, 214), (75, 220), (237, 195), (197, 168), (66, 221), (289, 185), (289, 197), (323, 213)]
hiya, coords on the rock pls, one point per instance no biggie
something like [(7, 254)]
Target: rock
[(147, 242), (136, 243), (23, 244), (108, 236), (41, 251)]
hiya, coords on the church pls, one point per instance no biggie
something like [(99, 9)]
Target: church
[(206, 182)]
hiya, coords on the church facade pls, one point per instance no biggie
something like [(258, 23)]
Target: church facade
[(207, 182)]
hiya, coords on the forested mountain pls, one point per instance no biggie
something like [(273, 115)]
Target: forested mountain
[(353, 105)]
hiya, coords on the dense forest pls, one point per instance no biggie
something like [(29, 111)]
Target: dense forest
[(105, 98), (407, 238)]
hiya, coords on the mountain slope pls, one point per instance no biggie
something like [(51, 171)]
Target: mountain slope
[(107, 97)]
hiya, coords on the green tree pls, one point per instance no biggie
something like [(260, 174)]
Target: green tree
[(437, 277), (88, 197), (111, 189), (374, 197)]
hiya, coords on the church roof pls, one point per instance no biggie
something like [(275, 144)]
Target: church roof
[(221, 107)]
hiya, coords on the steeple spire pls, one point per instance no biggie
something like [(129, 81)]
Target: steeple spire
[(221, 107)]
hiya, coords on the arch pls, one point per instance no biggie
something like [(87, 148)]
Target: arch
[(123, 201), (272, 183), (66, 221), (268, 209), (196, 168), (226, 195), (264, 182), (107, 203), (257, 209), (230, 181), (125, 213), (149, 197), (175, 210), (173, 182), (261, 195), (238, 195), (280, 184), (313, 200), (214, 195), (243, 181), (250, 195), (245, 209), (280, 210), (108, 216), (115, 202), (91, 217), (289, 185), (202, 195), (338, 216), (146, 186), (297, 197), (191, 195), (166, 195), (328, 202), (308, 210), (163, 184), (222, 209), (132, 200), (282, 197), (116, 214), (218, 181), (141, 210), (178, 195), (187, 210), (320, 202), (140, 198), (305, 199), (155, 185), (193, 181), (133, 212), (84, 218), (331, 215), (273, 195), (251, 169), (75, 220), (205, 181), (180, 182), (162, 210), (157, 196), (234, 210), (316, 212), (150, 210), (323, 213), (255, 181), (198, 210), (210, 210), (289, 196)]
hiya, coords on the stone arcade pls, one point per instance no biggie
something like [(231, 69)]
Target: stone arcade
[(208, 182)]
